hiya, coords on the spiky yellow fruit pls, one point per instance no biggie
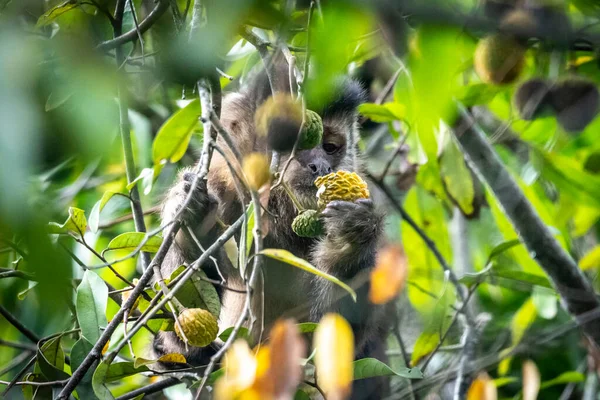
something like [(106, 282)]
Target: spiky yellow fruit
[(308, 224), (200, 327), (340, 185), (256, 170)]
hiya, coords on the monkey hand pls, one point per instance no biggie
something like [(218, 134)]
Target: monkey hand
[(352, 223), (200, 212)]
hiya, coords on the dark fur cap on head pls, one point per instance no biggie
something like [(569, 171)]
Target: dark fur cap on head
[(346, 94)]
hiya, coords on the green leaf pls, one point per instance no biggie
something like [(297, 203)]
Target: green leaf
[(545, 302), (509, 278), (289, 258), (457, 177), (301, 395), (565, 377), (99, 380), (437, 325), (51, 360), (197, 293), (57, 99), (147, 176), (477, 93), (76, 224), (372, 367), (49, 16), (502, 247), (120, 370), (382, 112), (131, 240), (80, 350), (499, 382), (307, 327), (92, 295), (242, 333), (424, 270), (97, 209), (173, 138)]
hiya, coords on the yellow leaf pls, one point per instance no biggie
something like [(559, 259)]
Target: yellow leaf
[(591, 259), (105, 348), (531, 380), (240, 371), (389, 276), (334, 345), (482, 388), (173, 358), (289, 258)]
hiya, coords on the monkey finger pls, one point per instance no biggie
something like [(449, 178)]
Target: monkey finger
[(365, 202)]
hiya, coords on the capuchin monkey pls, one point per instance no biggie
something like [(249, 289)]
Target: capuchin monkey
[(347, 250)]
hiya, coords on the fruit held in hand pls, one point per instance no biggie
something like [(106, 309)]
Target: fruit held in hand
[(340, 185), (532, 99), (312, 132), (308, 224), (200, 326), (499, 59), (576, 102), (256, 170)]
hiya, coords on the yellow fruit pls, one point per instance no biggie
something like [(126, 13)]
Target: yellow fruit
[(256, 170), (279, 119), (499, 59), (200, 326), (340, 185)]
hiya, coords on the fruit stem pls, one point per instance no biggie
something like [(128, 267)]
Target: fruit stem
[(287, 189)]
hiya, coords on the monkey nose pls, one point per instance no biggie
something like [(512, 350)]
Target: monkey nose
[(320, 168)]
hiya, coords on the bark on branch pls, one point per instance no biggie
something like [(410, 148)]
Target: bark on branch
[(576, 292)]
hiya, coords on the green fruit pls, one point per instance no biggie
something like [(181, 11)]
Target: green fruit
[(312, 132), (499, 59), (308, 224), (200, 326)]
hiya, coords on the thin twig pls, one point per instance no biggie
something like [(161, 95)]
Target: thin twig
[(152, 388), (29, 334)]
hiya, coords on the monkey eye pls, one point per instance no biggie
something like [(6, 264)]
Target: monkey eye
[(330, 148)]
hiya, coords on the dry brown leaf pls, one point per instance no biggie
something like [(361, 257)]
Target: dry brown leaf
[(287, 350), (531, 380), (334, 344), (482, 388), (389, 276)]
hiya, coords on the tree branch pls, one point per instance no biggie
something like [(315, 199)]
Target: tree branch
[(17, 324), (146, 24), (569, 281)]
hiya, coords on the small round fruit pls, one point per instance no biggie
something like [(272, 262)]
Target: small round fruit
[(340, 185), (279, 119), (256, 170), (200, 326), (576, 103), (312, 132), (532, 99), (499, 59), (308, 224), (519, 22)]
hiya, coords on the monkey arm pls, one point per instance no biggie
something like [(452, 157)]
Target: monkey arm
[(353, 231)]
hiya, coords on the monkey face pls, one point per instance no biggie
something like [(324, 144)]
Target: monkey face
[(327, 157)]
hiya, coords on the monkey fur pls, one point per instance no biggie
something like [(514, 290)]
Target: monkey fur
[(347, 251)]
